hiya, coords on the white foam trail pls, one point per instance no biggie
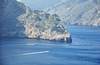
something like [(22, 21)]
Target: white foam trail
[(26, 54), (45, 44), (35, 53), (53, 45), (30, 44)]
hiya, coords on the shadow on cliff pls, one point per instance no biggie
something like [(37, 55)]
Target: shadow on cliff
[(9, 11)]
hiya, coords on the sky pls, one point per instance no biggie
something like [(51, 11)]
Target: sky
[(39, 4)]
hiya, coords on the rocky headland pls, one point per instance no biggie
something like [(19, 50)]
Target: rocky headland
[(17, 20)]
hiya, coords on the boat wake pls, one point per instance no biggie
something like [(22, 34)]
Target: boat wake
[(32, 53), (35, 53), (31, 44)]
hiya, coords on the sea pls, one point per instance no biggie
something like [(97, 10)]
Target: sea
[(84, 49)]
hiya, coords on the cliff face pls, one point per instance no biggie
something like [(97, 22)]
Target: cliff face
[(9, 25), (41, 25), (16, 20), (81, 12)]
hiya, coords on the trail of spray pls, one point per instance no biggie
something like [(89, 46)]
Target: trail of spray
[(32, 53)]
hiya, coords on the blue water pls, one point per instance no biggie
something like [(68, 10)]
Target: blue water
[(84, 50)]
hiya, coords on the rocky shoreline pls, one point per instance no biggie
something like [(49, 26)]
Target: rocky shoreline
[(46, 26), (32, 24)]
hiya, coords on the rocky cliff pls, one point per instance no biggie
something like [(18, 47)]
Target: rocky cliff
[(81, 12), (17, 20), (9, 25)]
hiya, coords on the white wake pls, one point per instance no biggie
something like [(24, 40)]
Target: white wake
[(35, 53), (26, 54)]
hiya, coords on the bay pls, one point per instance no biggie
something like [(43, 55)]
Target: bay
[(84, 49)]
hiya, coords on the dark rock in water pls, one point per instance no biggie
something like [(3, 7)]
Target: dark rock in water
[(17, 20)]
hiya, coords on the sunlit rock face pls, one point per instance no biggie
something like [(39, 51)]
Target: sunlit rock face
[(81, 12), (41, 25), (17, 20)]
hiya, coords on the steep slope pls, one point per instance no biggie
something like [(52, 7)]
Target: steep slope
[(41, 25), (9, 25), (81, 12), (17, 20)]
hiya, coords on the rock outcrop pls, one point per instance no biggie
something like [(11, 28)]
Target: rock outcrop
[(17, 20), (41, 25), (81, 12)]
